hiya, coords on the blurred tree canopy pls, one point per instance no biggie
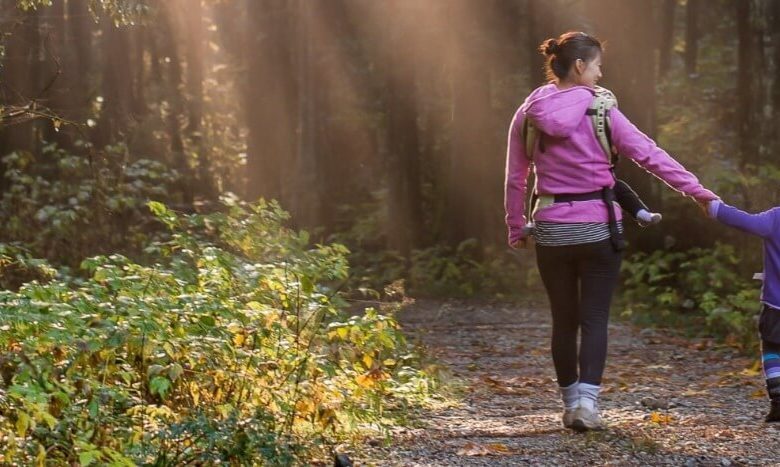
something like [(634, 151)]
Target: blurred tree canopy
[(382, 122)]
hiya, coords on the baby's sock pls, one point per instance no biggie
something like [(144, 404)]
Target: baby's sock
[(647, 218)]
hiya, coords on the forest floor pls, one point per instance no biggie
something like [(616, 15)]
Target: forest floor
[(667, 399)]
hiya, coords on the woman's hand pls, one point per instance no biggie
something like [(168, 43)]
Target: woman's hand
[(519, 244), (516, 242), (704, 206), (707, 207), (522, 241)]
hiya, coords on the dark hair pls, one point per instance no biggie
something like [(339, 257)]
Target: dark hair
[(562, 52)]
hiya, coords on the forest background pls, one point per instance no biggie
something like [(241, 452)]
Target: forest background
[(137, 137)]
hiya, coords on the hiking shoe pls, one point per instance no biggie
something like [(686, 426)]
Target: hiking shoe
[(586, 419), (655, 218), (774, 413), (568, 417)]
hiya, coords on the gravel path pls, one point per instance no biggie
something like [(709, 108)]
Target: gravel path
[(667, 400)]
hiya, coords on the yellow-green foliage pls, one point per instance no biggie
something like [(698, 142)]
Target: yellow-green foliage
[(232, 348)]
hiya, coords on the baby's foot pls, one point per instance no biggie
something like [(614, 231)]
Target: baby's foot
[(645, 218)]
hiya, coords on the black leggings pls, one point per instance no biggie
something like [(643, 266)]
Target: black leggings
[(580, 280)]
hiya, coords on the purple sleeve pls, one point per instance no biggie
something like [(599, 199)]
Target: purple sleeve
[(761, 224), (517, 165), (635, 145)]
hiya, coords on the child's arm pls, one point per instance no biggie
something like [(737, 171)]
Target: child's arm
[(761, 224)]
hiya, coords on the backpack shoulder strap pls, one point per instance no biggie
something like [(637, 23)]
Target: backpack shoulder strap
[(530, 137), (598, 111)]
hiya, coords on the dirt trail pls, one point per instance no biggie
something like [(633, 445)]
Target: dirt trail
[(667, 400)]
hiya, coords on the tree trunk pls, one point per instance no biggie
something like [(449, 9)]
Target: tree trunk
[(308, 196), (667, 37), (117, 83), (630, 74), (539, 28), (270, 100), (53, 81), (692, 35), (21, 72), (79, 27), (155, 57), (471, 112), (775, 77), (196, 53), (403, 164), (21, 80), (749, 83), (140, 39), (174, 82)]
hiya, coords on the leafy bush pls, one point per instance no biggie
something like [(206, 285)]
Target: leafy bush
[(705, 285), (232, 348), (71, 207), (466, 270), (18, 266)]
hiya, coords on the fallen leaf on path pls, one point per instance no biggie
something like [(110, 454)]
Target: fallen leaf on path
[(660, 418), (501, 387), (499, 448), (474, 449)]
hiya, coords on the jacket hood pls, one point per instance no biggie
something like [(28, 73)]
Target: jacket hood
[(555, 112)]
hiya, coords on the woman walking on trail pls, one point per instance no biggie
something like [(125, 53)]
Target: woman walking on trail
[(578, 229)]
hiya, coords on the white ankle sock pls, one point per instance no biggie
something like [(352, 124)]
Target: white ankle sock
[(589, 395), (648, 217), (570, 396), (644, 215)]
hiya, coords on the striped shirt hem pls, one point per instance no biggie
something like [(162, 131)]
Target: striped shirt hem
[(575, 233)]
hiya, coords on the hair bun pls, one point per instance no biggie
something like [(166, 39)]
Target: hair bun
[(551, 47)]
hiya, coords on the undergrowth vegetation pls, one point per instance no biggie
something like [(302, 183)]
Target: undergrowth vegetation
[(233, 347)]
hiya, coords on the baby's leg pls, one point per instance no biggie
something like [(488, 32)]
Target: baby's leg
[(631, 203)]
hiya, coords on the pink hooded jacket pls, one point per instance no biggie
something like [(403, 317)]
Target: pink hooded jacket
[(573, 161)]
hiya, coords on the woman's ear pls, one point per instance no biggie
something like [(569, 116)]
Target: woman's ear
[(579, 66)]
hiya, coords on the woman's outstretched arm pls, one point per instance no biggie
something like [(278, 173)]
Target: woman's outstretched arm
[(635, 145)]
